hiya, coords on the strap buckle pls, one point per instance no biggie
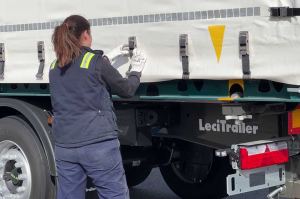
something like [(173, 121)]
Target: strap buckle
[(41, 58), (132, 44), (281, 12), (2, 60), (184, 55), (244, 53)]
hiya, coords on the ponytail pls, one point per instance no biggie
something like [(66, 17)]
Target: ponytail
[(66, 39)]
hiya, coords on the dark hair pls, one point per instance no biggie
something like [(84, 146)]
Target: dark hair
[(66, 38)]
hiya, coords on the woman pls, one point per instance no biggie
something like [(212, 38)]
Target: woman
[(84, 126)]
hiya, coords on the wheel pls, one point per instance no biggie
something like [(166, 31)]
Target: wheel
[(23, 165), (137, 175), (91, 191), (213, 187), (196, 173)]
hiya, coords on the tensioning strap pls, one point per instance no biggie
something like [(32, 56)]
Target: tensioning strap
[(284, 12), (2, 60)]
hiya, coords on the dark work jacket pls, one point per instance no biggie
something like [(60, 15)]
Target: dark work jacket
[(81, 101)]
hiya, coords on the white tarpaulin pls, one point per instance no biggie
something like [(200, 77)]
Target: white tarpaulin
[(212, 26)]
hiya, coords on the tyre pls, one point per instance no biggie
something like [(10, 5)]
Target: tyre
[(23, 164), (91, 191), (212, 186), (137, 175)]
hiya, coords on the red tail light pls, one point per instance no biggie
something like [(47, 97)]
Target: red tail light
[(294, 121), (263, 155)]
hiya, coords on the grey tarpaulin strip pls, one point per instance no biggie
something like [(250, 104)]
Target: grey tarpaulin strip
[(142, 19)]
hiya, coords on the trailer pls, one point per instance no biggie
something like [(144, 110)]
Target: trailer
[(217, 111)]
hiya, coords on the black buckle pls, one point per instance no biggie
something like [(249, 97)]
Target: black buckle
[(244, 53), (184, 55), (132, 44), (281, 12), (2, 60), (41, 58)]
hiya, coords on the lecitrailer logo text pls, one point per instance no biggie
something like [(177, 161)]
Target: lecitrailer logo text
[(221, 126)]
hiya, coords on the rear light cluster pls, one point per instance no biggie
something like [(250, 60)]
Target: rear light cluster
[(294, 121), (252, 157)]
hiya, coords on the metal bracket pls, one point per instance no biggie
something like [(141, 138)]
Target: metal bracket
[(41, 58), (236, 113), (2, 60), (275, 194), (284, 12), (256, 179), (238, 119), (244, 53), (184, 55), (293, 90), (223, 152)]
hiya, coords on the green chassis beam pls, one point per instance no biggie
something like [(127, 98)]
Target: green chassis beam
[(184, 90)]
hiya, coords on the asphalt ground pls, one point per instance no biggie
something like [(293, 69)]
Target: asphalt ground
[(154, 187)]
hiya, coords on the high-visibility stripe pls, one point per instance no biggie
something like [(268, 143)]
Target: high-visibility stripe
[(83, 60), (226, 99), (89, 59), (53, 64), (85, 63)]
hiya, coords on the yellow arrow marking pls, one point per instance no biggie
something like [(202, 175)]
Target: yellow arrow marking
[(217, 36)]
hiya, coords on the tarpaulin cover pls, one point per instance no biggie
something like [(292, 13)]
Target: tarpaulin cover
[(212, 26)]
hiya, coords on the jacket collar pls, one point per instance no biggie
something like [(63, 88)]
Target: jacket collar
[(87, 48)]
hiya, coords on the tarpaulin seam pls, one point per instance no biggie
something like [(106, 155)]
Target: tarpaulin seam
[(141, 19)]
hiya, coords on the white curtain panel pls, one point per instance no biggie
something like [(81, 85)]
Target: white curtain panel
[(212, 26)]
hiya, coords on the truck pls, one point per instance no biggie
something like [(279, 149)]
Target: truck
[(217, 110)]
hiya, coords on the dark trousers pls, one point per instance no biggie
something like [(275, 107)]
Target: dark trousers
[(102, 162)]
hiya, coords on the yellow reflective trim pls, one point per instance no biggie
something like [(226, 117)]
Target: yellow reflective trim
[(84, 60), (85, 63), (52, 66), (226, 99), (89, 60)]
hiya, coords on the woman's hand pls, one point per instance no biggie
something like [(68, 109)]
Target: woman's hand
[(116, 53), (138, 61)]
